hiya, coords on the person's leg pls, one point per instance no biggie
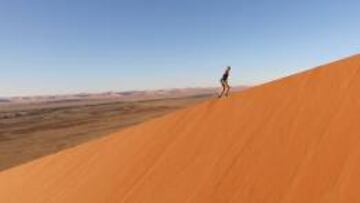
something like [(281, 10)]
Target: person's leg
[(223, 88), (227, 86)]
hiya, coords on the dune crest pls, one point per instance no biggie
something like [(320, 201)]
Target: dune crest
[(293, 140)]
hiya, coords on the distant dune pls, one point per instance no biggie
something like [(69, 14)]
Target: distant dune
[(294, 140)]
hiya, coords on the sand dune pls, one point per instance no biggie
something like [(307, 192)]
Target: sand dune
[(293, 140)]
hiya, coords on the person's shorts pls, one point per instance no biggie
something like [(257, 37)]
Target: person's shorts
[(223, 81)]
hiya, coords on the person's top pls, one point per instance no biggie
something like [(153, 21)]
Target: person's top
[(225, 76)]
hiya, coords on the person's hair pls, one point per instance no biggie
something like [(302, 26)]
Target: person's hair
[(228, 67)]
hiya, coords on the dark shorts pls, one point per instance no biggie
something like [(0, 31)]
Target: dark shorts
[(223, 81)]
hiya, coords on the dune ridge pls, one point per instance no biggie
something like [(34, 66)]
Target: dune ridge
[(292, 140)]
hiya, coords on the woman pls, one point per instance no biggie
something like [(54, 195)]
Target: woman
[(225, 83)]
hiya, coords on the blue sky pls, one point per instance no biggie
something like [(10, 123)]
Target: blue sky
[(70, 46)]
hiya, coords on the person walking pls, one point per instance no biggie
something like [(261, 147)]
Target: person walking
[(225, 82)]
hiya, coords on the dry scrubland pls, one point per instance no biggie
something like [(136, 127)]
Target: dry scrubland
[(30, 131)]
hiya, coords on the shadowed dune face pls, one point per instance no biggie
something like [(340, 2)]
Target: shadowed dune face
[(292, 140)]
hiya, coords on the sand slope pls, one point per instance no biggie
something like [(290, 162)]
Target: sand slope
[(293, 140)]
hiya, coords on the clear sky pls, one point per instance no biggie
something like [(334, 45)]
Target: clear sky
[(68, 46)]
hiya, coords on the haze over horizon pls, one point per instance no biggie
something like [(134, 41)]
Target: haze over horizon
[(91, 46)]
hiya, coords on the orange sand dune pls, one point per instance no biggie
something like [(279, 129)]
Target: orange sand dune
[(293, 140)]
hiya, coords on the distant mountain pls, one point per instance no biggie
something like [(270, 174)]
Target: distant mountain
[(4, 100), (124, 96)]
